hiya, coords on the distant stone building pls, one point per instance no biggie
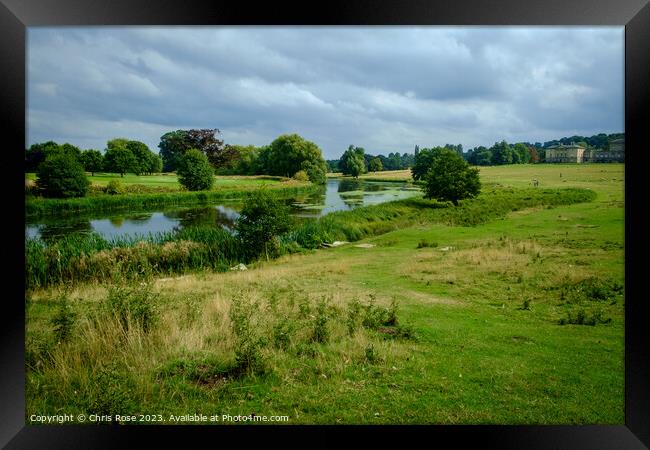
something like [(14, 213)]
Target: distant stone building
[(575, 153), (565, 153), (616, 153)]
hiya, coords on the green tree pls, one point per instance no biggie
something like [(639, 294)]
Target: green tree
[(195, 171), (37, 153), (520, 151), (450, 178), (287, 154), (375, 165), (262, 219), (155, 164), (423, 161), (502, 153), (62, 176), (480, 156), (142, 156), (175, 144), (352, 162), (316, 170), (119, 159), (93, 161)]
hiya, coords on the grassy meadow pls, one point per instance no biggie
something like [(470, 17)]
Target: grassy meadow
[(505, 310)]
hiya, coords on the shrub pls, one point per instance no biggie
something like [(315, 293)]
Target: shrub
[(63, 321), (248, 355), (114, 187), (423, 243), (354, 316), (194, 171), (62, 176), (320, 332), (261, 220), (301, 175)]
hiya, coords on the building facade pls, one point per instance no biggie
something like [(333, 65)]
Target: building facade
[(565, 154), (578, 154)]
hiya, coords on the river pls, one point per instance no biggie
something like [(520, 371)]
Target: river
[(336, 195)]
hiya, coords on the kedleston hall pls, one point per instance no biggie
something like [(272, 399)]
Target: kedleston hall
[(578, 154)]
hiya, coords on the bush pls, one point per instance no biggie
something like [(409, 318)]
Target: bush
[(63, 321), (114, 187), (62, 176), (320, 333), (301, 175), (194, 171), (261, 220)]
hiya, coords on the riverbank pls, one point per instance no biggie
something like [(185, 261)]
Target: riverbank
[(35, 207), (92, 258)]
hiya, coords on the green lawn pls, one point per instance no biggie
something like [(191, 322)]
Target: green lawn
[(485, 304), (171, 180)]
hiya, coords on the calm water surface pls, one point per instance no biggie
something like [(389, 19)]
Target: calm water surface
[(336, 195)]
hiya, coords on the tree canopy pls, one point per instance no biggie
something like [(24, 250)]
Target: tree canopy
[(353, 162), (375, 165), (93, 161), (194, 171), (450, 178), (291, 153), (62, 176), (175, 144), (119, 158)]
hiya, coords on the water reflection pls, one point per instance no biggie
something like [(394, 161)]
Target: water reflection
[(335, 195)]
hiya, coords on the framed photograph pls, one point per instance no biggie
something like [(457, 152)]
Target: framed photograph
[(366, 218)]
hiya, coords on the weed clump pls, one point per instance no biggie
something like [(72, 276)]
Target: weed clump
[(282, 333), (63, 321), (353, 318), (424, 244), (582, 318), (133, 306), (248, 350), (320, 331)]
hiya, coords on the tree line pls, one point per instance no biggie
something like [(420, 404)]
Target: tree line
[(196, 155), (355, 161)]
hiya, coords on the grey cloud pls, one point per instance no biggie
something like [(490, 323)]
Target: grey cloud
[(385, 88)]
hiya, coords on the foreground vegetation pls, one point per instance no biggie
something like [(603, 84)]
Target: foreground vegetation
[(506, 309)]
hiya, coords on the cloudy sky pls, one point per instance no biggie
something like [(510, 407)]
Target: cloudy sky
[(382, 88)]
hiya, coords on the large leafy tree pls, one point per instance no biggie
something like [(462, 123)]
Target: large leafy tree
[(37, 153), (520, 153), (119, 159), (450, 178), (502, 153), (62, 176), (261, 220), (175, 144), (353, 161), (142, 155), (423, 162), (93, 161), (155, 164), (194, 171), (375, 165), (291, 153)]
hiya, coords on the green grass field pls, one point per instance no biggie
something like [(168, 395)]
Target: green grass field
[(171, 180), (515, 321)]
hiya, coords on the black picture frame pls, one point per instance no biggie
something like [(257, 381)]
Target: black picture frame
[(16, 15)]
